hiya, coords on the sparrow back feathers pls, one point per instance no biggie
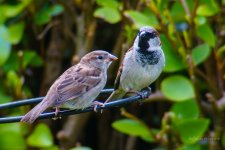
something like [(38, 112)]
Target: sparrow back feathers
[(77, 87)]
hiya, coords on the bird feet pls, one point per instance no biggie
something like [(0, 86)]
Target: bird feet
[(145, 93), (57, 115), (96, 104)]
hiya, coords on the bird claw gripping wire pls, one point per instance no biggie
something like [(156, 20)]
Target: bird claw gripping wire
[(48, 115), (145, 93)]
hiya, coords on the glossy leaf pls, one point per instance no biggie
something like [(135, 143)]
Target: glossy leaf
[(81, 148), (8, 131), (51, 148), (223, 140), (9, 143), (12, 127), (56, 10), (141, 19), (208, 8), (4, 98), (177, 88), (200, 20), (44, 15), (133, 128), (200, 53), (191, 147), (12, 63), (13, 10), (206, 34), (173, 61), (31, 58), (41, 137), (108, 3), (185, 110), (14, 80), (15, 33), (5, 49), (177, 12), (192, 130), (110, 15)]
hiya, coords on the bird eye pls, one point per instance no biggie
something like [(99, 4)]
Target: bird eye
[(99, 57)]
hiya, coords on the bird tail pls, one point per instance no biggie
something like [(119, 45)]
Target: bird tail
[(33, 114), (117, 94)]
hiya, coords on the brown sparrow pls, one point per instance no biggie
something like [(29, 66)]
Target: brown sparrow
[(142, 64), (77, 87)]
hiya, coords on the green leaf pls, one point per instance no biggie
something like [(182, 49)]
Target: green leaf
[(31, 58), (9, 11), (45, 14), (181, 112), (206, 34), (41, 137), (133, 128), (50, 148), (4, 98), (110, 15), (191, 147), (177, 12), (13, 80), (15, 32), (56, 10), (42, 16), (173, 61), (12, 63), (208, 8), (5, 49), (223, 140), (11, 137), (140, 19), (11, 140), (177, 88), (108, 3), (192, 130), (4, 95), (200, 53), (200, 20), (12, 127), (81, 148)]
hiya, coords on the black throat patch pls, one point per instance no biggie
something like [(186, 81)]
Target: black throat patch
[(146, 57)]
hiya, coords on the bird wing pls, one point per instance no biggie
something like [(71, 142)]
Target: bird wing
[(120, 70), (75, 82)]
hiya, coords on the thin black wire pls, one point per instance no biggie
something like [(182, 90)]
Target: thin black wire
[(35, 101), (117, 103)]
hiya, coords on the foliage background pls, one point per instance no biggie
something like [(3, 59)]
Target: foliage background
[(41, 39)]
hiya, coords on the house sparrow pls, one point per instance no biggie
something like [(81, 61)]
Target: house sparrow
[(142, 64), (77, 87)]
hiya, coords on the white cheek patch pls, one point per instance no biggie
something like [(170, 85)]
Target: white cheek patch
[(154, 42)]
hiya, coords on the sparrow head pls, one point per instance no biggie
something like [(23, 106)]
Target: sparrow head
[(147, 39), (98, 59)]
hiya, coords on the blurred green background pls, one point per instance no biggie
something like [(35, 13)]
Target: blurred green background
[(40, 39)]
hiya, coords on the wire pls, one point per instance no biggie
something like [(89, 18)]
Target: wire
[(117, 103), (35, 101)]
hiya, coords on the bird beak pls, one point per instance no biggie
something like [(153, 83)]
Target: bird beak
[(111, 58)]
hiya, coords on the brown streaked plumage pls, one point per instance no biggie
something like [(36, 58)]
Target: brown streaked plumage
[(77, 87)]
